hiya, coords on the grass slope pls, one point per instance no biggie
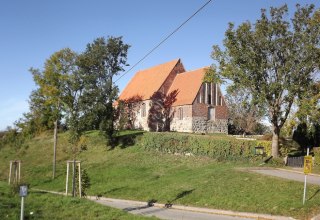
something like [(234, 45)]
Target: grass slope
[(40, 205), (134, 173)]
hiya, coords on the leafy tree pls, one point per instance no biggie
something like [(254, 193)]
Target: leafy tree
[(53, 88), (307, 133), (128, 109), (160, 112), (38, 119), (309, 105), (274, 59), (244, 114), (102, 60)]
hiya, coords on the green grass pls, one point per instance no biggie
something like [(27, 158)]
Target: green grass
[(39, 205), (134, 173)]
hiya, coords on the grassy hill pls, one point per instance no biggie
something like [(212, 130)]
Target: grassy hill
[(39, 205), (136, 173)]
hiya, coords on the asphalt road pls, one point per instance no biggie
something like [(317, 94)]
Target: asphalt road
[(312, 179), (162, 213), (180, 212)]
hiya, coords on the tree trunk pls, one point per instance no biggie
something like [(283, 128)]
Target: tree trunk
[(54, 148), (275, 141)]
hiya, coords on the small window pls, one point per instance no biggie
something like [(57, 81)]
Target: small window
[(180, 113), (211, 113), (143, 110)]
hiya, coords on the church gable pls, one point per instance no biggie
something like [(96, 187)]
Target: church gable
[(146, 82)]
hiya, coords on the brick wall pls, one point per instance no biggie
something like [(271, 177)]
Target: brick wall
[(199, 110), (221, 112)]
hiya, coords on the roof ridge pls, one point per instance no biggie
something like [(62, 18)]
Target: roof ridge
[(205, 67), (162, 64), (184, 82), (145, 82)]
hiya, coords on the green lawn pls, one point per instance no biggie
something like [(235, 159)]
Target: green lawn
[(134, 173), (39, 205)]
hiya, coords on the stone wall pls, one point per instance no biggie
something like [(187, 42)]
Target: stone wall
[(202, 125), (142, 122), (184, 124)]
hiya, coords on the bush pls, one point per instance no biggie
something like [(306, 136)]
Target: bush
[(13, 138), (316, 151), (219, 147)]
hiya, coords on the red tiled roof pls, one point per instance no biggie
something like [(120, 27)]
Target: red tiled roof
[(188, 84), (148, 81)]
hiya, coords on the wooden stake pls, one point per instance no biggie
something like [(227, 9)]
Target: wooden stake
[(74, 179), (10, 172), (67, 179), (19, 171), (79, 170), (15, 172), (54, 148)]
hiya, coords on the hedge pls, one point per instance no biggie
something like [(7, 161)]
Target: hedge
[(216, 146)]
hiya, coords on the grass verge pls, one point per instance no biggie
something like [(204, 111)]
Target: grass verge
[(40, 205), (135, 173)]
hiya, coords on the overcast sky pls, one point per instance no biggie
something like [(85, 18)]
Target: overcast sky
[(32, 30)]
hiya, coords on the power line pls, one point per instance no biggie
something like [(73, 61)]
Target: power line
[(165, 39)]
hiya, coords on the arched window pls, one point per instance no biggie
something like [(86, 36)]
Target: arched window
[(180, 113), (211, 113), (143, 110)]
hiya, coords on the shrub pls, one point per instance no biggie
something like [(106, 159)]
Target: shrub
[(219, 147), (316, 151), (85, 183)]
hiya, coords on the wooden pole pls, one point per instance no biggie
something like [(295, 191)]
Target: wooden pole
[(79, 170), (15, 172), (67, 179), (19, 171), (216, 94), (55, 137), (10, 172), (74, 179)]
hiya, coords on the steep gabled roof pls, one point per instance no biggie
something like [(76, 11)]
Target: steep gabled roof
[(188, 85), (148, 81)]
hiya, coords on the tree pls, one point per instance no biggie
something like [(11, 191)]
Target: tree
[(128, 109), (244, 114), (38, 119), (102, 60), (160, 112), (307, 133), (275, 59), (53, 88)]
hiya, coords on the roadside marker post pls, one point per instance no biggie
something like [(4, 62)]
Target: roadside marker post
[(307, 168), (23, 193)]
